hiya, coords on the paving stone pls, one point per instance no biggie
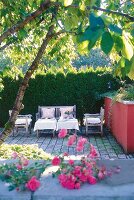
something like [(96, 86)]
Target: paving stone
[(105, 145)]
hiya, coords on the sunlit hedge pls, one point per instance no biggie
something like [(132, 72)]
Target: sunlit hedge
[(82, 88)]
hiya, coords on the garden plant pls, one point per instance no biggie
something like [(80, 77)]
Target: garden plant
[(72, 174)]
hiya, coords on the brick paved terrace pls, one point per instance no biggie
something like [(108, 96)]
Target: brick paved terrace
[(107, 146)]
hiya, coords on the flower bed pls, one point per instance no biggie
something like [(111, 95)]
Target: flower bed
[(71, 173)]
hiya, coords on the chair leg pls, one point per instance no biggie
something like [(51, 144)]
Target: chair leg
[(16, 129), (30, 129), (13, 132), (86, 130), (53, 133), (27, 130), (101, 130), (37, 133)]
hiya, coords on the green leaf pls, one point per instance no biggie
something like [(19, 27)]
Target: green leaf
[(67, 2), (125, 68), (131, 72), (118, 42), (121, 62), (3, 12), (132, 32), (127, 50), (95, 36), (95, 21), (106, 19), (98, 3), (90, 34), (115, 29), (11, 187), (107, 42), (22, 33), (82, 6), (83, 47), (79, 29), (92, 2)]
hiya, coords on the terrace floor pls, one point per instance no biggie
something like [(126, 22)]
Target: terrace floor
[(107, 146)]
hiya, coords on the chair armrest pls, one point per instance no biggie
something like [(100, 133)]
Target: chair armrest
[(25, 116), (92, 115)]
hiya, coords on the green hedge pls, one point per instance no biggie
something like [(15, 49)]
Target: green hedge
[(82, 88)]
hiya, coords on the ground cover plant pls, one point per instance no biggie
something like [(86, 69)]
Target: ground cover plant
[(32, 152)]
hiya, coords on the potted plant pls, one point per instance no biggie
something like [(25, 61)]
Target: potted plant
[(119, 116)]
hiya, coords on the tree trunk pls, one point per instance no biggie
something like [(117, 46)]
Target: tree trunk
[(18, 102)]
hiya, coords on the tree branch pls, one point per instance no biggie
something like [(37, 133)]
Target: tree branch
[(44, 6), (12, 42), (131, 18)]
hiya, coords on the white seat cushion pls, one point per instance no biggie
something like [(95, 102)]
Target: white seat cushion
[(93, 120), (22, 121)]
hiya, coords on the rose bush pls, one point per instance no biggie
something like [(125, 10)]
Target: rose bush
[(21, 174), (73, 173)]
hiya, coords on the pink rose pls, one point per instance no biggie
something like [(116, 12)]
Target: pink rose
[(14, 155), (25, 161), (77, 185), (77, 171), (82, 141), (92, 180), (19, 167), (56, 161), (62, 178), (70, 184), (71, 162), (62, 133), (83, 178), (79, 148), (33, 184), (65, 154), (101, 175), (93, 152), (71, 140)]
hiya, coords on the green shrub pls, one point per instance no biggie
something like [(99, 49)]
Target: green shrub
[(29, 151), (124, 93), (82, 88)]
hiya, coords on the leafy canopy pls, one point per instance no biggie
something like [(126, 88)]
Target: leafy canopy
[(84, 24)]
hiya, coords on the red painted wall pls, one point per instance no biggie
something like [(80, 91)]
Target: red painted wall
[(121, 122)]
